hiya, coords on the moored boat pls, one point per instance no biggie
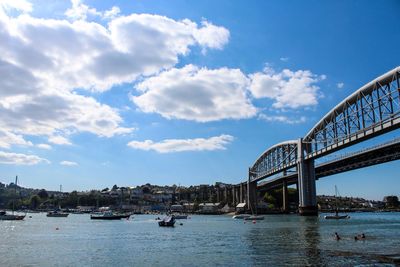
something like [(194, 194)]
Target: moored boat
[(109, 215), (241, 216), (254, 217), (336, 216), (10, 217), (167, 221), (57, 213)]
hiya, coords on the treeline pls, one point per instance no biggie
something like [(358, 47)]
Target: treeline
[(44, 200)]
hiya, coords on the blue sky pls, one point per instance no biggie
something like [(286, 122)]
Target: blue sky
[(181, 92)]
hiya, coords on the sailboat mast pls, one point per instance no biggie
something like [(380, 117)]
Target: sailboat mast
[(15, 193)]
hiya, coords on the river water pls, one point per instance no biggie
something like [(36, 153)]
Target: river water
[(200, 241)]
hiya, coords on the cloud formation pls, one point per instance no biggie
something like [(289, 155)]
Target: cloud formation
[(20, 159), (198, 94), (180, 145), (288, 89), (43, 62), (68, 163), (282, 119), (340, 85)]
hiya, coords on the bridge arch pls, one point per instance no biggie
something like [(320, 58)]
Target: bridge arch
[(275, 159), (372, 110)]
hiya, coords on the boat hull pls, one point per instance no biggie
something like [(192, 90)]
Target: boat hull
[(336, 217), (57, 214), (241, 216), (254, 217), (10, 217), (112, 217), (167, 222)]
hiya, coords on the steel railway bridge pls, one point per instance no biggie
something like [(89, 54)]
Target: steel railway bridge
[(372, 110)]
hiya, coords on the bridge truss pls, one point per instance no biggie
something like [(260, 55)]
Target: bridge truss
[(372, 110)]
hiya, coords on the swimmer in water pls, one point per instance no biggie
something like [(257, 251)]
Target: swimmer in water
[(337, 237)]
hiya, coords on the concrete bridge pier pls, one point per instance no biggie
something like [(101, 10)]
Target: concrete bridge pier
[(251, 195), (241, 193), (285, 197), (234, 200), (306, 180)]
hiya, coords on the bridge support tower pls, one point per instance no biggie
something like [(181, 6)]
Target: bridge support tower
[(285, 197), (251, 195), (306, 179)]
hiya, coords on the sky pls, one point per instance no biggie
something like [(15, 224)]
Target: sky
[(97, 93)]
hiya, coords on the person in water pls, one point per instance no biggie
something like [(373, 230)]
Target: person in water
[(337, 237), (359, 237)]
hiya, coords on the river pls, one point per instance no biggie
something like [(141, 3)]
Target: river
[(200, 241)]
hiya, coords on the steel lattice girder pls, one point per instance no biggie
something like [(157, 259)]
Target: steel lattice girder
[(370, 111), (277, 158)]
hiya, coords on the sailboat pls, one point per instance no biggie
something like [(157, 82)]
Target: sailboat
[(253, 217), (12, 217), (336, 216)]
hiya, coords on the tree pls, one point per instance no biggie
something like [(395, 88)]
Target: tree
[(146, 190), (35, 201), (43, 194), (391, 201), (270, 199)]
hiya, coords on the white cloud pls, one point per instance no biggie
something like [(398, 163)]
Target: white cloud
[(8, 138), (284, 59), (282, 119), (59, 140), (198, 94), (211, 36), (44, 146), (180, 145), (80, 11), (20, 5), (20, 159), (68, 163), (112, 13), (43, 61), (288, 89), (340, 85)]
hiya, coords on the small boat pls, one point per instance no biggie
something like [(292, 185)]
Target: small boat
[(10, 217), (241, 216), (57, 213), (109, 215), (336, 216), (254, 217), (167, 221)]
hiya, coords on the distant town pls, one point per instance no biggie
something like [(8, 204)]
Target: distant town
[(202, 199)]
